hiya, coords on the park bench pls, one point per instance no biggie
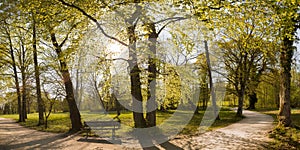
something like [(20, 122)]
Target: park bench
[(101, 125)]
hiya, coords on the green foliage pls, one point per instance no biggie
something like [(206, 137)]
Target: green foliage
[(173, 88), (295, 90)]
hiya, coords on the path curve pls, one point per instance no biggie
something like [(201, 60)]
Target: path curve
[(249, 133)]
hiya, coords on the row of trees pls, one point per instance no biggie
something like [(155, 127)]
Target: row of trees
[(50, 50)]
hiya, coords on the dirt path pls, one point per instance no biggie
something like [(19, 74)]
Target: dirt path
[(14, 136), (249, 133)]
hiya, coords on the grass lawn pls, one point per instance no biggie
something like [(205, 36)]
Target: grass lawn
[(57, 122), (285, 138), (60, 122)]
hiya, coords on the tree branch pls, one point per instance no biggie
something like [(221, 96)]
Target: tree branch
[(94, 20), (177, 19), (67, 36)]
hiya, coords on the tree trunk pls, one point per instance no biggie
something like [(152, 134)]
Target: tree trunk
[(239, 112), (78, 81), (286, 55), (21, 117), (137, 99), (204, 94), (80, 92), (74, 112), (24, 90), (37, 77), (96, 90), (22, 57), (151, 101), (28, 105), (252, 100), (244, 72), (212, 90)]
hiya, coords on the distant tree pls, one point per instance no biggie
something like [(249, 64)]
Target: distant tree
[(203, 78), (244, 46)]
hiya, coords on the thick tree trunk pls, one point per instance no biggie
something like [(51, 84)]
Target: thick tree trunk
[(252, 100), (21, 117), (286, 55), (37, 77), (74, 112), (212, 90), (137, 99), (244, 72), (151, 101), (239, 112), (6, 109)]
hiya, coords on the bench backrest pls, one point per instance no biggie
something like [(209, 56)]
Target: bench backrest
[(103, 124)]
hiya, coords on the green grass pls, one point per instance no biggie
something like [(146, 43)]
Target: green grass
[(285, 137), (57, 122), (60, 122)]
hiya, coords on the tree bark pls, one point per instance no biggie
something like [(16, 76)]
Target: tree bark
[(22, 61), (151, 101), (286, 55), (241, 94), (24, 91), (137, 98), (37, 76), (243, 71), (74, 112)]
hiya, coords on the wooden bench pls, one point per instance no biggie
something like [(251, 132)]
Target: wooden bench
[(102, 125)]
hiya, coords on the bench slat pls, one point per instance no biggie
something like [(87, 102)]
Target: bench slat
[(102, 123)]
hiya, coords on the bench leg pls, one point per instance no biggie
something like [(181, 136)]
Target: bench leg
[(87, 135), (113, 134)]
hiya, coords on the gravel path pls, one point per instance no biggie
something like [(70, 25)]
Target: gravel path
[(249, 133)]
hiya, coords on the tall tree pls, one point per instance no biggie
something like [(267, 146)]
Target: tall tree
[(14, 66), (288, 16), (211, 86), (23, 66), (8, 22), (74, 112), (137, 98), (151, 88), (37, 73), (244, 44)]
